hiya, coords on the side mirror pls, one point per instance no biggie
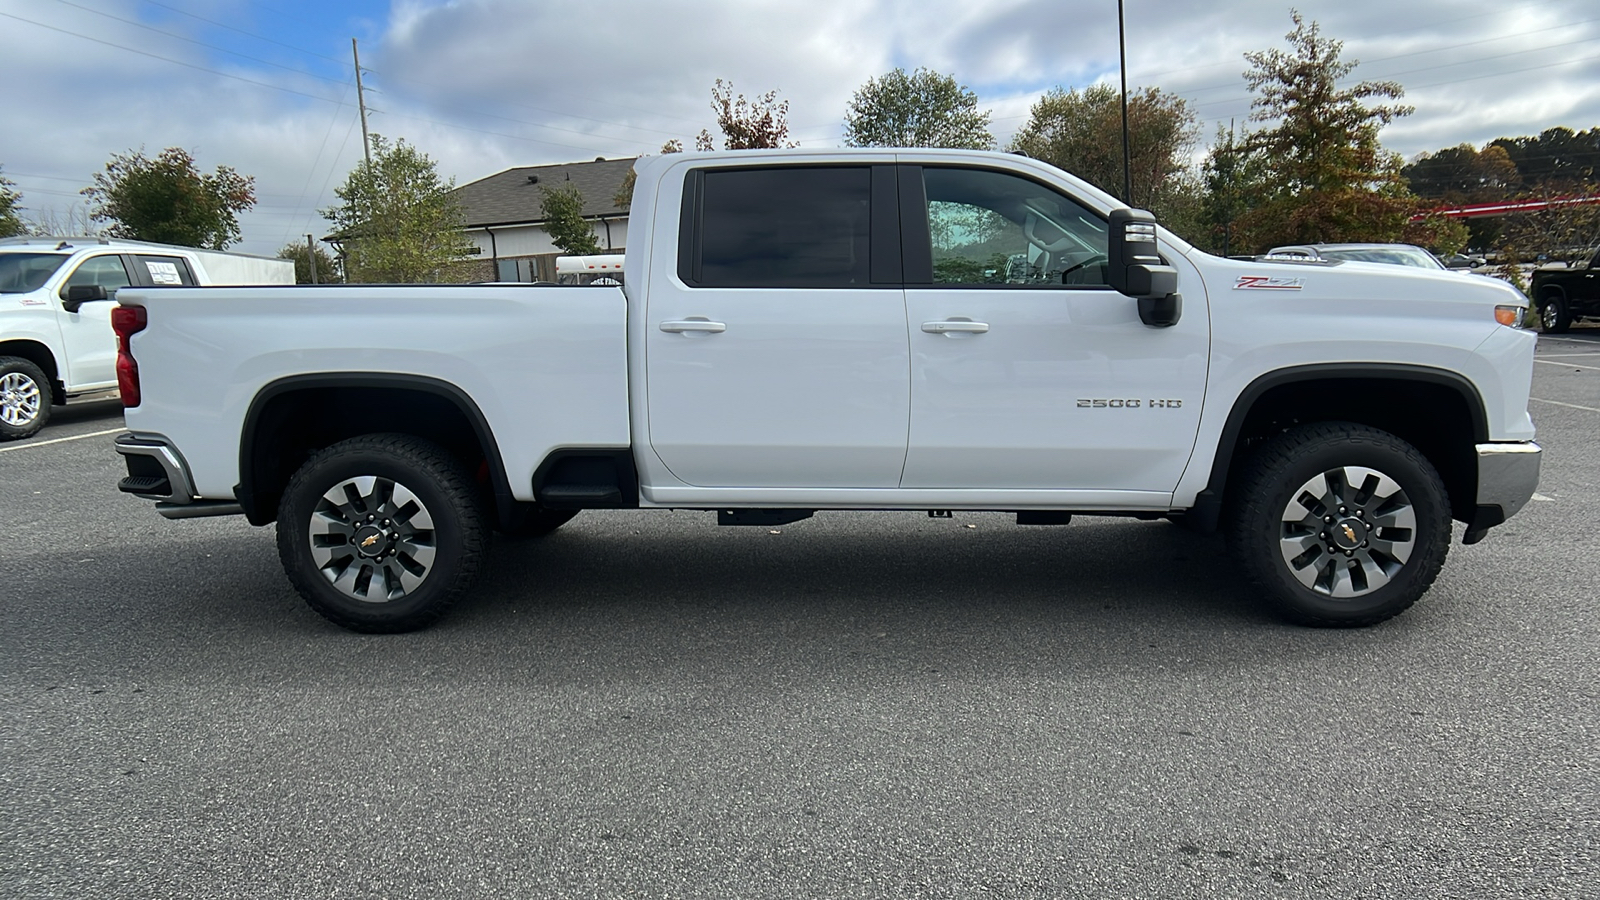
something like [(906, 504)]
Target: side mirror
[(1136, 269), (79, 294)]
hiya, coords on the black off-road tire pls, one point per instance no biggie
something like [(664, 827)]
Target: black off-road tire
[(529, 521), (1554, 315), (1383, 550), (24, 398), (381, 533)]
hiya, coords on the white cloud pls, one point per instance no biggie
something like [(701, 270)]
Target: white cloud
[(482, 85)]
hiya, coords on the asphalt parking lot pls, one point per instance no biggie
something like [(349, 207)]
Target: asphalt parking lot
[(857, 705)]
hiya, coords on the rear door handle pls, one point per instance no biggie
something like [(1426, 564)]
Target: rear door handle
[(955, 326), (695, 324)]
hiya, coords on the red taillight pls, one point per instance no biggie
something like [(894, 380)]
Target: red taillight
[(127, 321)]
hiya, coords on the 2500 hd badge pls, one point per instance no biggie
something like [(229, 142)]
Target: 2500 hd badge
[(1129, 404)]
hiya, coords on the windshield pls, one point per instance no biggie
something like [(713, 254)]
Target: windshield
[(24, 272), (1397, 256)]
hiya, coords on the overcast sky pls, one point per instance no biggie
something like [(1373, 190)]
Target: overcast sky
[(483, 85)]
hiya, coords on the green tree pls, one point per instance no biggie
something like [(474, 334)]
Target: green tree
[(761, 124), (10, 222), (327, 266), (167, 200), (399, 222), (1329, 179), (563, 219), (1232, 179), (1463, 174), (922, 109), (623, 198), (1081, 132)]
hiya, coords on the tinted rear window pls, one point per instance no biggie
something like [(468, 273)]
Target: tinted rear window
[(788, 227)]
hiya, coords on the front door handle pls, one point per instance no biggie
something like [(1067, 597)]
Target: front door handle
[(955, 326), (695, 324)]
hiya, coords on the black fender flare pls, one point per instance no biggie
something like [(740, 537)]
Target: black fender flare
[(245, 491), (1207, 509)]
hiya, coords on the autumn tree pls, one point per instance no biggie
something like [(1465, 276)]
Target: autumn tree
[(327, 268), (1081, 131), (398, 222), (1329, 178), (1463, 174), (922, 109), (10, 222), (166, 199), (760, 124), (623, 198), (1557, 157), (562, 209)]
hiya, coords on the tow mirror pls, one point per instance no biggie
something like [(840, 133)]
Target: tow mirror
[(79, 294), (1136, 269)]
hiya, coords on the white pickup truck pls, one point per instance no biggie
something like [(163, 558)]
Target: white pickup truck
[(56, 342), (852, 329)]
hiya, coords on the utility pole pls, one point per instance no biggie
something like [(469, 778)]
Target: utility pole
[(311, 257), (1127, 152), (361, 101)]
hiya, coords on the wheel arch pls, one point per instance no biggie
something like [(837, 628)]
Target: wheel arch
[(36, 352), (1438, 411), (292, 417)]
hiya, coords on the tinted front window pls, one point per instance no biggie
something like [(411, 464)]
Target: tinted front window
[(24, 272), (106, 271), (996, 228), (788, 227)]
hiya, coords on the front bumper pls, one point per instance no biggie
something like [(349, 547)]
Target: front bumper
[(1508, 473), (156, 471)]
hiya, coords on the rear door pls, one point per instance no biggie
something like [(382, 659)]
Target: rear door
[(776, 349), (1028, 371)]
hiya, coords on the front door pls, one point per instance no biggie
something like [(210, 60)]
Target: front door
[(1027, 370), (90, 343), (777, 357)]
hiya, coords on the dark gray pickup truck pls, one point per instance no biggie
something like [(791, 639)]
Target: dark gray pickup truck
[(1566, 295)]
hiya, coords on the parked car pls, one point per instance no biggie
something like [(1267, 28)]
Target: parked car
[(56, 297), (1393, 254), (1564, 296), (1463, 261)]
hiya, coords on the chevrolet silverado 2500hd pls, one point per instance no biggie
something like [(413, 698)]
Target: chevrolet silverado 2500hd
[(856, 329)]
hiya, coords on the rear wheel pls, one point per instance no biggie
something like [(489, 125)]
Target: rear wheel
[(381, 533), (1554, 317), (1339, 524), (24, 398)]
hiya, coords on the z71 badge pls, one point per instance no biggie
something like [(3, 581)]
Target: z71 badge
[(1268, 283)]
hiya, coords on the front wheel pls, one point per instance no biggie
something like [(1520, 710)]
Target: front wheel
[(24, 398), (1340, 525), (381, 533), (1554, 317)]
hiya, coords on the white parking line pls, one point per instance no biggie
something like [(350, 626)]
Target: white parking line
[(1568, 365), (1567, 405), (76, 437), (1564, 355), (1579, 341)]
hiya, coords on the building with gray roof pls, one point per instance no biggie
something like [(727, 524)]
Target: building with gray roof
[(503, 216)]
